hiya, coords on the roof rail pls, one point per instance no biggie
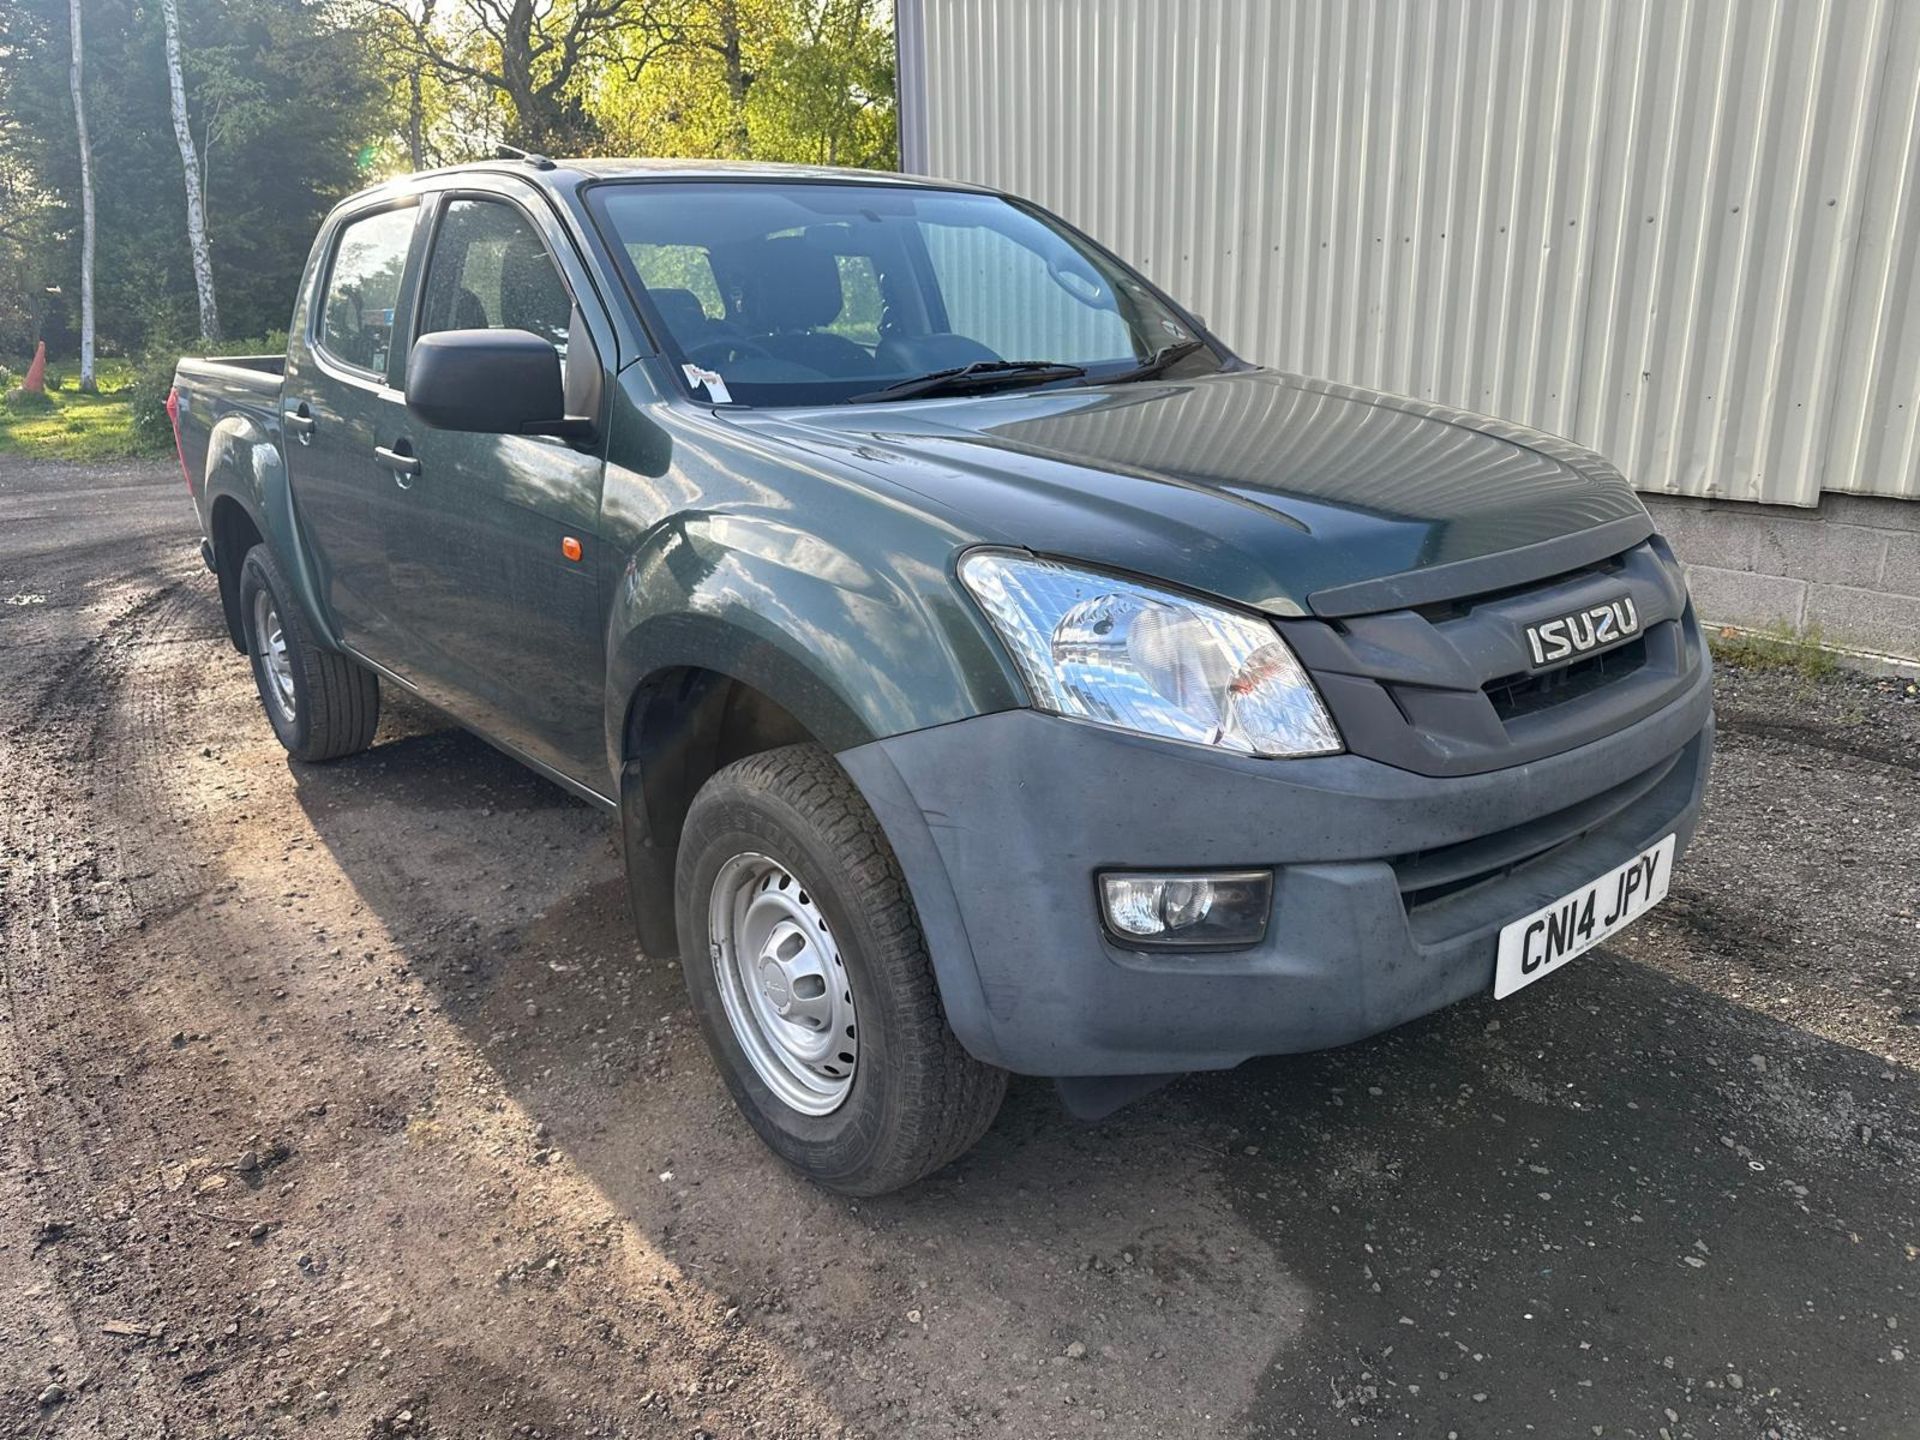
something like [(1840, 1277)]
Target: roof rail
[(514, 152)]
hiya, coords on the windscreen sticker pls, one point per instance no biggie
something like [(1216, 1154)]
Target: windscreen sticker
[(716, 387)]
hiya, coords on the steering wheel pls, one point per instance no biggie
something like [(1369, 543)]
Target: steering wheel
[(715, 353)]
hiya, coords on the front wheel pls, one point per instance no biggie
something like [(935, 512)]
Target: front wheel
[(322, 704), (809, 973)]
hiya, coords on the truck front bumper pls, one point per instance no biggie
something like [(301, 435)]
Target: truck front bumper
[(1390, 888)]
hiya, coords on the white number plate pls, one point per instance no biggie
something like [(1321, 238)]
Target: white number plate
[(1575, 923)]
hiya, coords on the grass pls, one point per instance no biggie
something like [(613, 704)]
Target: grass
[(1781, 648), (71, 424)]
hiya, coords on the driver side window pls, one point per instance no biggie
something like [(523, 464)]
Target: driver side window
[(489, 270)]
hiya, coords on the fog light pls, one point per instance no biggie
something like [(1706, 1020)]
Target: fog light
[(1187, 911)]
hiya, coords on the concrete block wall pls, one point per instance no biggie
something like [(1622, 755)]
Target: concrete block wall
[(1851, 568)]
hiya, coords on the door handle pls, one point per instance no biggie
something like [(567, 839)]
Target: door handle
[(299, 422), (399, 462)]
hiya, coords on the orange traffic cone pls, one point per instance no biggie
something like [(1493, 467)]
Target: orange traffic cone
[(36, 381)]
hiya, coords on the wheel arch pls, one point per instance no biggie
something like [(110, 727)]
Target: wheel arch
[(233, 531), (687, 722), (684, 723), (733, 630), (247, 491)]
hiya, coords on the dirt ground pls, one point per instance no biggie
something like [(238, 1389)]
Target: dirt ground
[(339, 1101)]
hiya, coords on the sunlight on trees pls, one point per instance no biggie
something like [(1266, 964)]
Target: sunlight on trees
[(789, 80), (275, 109), (806, 81)]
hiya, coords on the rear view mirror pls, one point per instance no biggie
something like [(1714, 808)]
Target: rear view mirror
[(495, 382), (1079, 281)]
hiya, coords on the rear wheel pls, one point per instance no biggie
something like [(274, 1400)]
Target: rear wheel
[(322, 704), (809, 973)]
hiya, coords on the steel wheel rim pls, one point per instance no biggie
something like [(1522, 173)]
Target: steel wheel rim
[(270, 644), (782, 983)]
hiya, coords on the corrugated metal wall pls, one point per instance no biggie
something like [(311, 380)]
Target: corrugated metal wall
[(1683, 233)]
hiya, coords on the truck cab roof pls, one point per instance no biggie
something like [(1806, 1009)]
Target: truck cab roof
[(564, 174)]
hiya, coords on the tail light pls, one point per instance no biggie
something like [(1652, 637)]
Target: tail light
[(173, 415)]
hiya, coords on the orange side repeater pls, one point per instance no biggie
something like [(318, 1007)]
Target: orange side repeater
[(570, 547)]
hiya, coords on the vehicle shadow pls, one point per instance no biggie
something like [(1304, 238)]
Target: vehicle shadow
[(1614, 1204)]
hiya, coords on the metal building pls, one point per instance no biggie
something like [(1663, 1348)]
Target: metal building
[(1684, 232)]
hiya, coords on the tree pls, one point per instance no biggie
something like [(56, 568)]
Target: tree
[(830, 99), (723, 37), (295, 103), (417, 90), (190, 168), (30, 263), (795, 80), (76, 65), (289, 101), (439, 117), (533, 54)]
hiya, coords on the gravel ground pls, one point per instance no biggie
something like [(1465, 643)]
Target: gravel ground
[(339, 1102)]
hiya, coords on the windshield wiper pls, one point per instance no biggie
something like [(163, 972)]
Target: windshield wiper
[(980, 374), (1158, 363)]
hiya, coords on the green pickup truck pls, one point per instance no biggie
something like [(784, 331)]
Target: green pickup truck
[(989, 672)]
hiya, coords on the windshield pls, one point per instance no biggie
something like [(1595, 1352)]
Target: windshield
[(800, 293)]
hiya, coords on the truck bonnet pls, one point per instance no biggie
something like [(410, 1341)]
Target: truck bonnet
[(1258, 487)]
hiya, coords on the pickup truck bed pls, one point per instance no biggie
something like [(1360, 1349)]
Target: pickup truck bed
[(208, 388), (226, 416), (206, 366)]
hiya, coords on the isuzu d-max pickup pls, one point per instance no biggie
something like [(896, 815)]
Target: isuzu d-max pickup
[(987, 671)]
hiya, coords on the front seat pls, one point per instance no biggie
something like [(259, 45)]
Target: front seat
[(531, 295), (685, 317), (792, 287), (468, 312)]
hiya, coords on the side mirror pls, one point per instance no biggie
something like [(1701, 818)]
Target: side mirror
[(495, 382)]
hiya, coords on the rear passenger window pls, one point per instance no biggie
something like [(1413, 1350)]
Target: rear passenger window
[(356, 317), (490, 271)]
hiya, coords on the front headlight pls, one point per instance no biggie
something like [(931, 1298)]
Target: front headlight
[(1133, 656)]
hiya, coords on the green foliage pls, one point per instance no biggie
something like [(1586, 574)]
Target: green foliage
[(21, 401), (25, 216), (828, 96), (679, 267), (1803, 651), (296, 103), (151, 377), (68, 423), (147, 397), (802, 81), (282, 100), (289, 101)]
